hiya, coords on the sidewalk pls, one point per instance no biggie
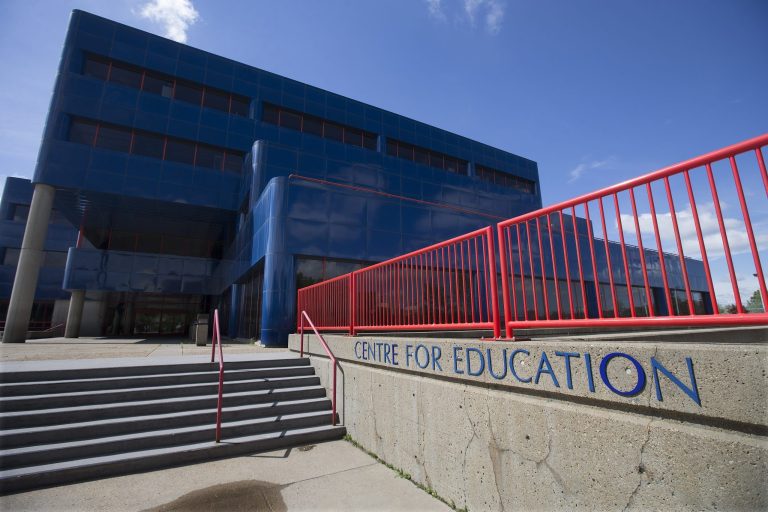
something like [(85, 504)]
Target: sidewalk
[(328, 476)]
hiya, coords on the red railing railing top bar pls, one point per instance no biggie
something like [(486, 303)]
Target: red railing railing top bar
[(328, 351), (699, 161)]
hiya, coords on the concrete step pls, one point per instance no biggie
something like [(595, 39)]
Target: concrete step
[(8, 377), (71, 450), (19, 479), (65, 415), (16, 438), (160, 379), (58, 400)]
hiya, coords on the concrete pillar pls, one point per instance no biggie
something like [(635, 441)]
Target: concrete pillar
[(30, 259), (75, 314)]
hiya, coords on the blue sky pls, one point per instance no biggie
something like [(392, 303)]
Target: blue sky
[(596, 91)]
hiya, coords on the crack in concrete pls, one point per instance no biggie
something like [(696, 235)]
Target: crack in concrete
[(640, 467), (466, 449), (544, 461), (495, 453)]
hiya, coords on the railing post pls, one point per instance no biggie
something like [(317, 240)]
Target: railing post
[(494, 290), (505, 281), (352, 302), (301, 330)]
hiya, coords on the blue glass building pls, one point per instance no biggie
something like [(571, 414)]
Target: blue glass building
[(197, 182)]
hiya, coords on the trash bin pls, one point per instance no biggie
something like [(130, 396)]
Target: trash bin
[(199, 330)]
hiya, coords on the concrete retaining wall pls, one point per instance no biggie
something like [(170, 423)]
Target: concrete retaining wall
[(562, 424)]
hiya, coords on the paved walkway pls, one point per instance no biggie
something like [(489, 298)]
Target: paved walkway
[(327, 476)]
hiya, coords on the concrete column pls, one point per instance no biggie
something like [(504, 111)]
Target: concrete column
[(30, 259), (75, 314)]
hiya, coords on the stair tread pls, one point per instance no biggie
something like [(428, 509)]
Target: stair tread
[(148, 376), (123, 457), (13, 399), (139, 403), (111, 421), (161, 432)]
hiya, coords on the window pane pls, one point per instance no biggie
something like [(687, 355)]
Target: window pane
[(369, 141), (240, 106), (209, 157), (421, 156), (234, 162), (158, 84), (271, 114), (96, 68), (216, 99), (451, 164), (82, 132), (11, 256), (313, 126), (180, 151), (189, 92), (436, 160), (353, 136), (405, 151), (392, 147), (290, 120), (113, 138), (125, 75), (148, 242), (21, 212), (148, 144), (333, 131)]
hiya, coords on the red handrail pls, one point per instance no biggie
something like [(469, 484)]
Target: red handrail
[(330, 356), (216, 338)]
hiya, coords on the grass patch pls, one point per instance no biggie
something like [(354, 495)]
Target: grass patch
[(403, 474)]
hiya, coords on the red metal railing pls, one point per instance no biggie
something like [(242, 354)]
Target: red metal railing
[(216, 339), (557, 272), (302, 315), (446, 286), (328, 303)]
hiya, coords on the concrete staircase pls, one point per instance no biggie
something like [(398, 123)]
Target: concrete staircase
[(65, 425)]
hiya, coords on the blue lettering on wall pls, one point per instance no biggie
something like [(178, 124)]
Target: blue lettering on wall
[(512, 364), (567, 356), (457, 360), (481, 362), (424, 356), (476, 362), (542, 362), (692, 392), (490, 364), (638, 369)]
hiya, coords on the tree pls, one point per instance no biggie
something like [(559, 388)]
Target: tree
[(755, 303)]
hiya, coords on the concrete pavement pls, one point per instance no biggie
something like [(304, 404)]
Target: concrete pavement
[(328, 476)]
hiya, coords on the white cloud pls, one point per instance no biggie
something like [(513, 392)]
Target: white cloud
[(738, 241), (490, 12), (436, 9), (176, 16), (580, 169)]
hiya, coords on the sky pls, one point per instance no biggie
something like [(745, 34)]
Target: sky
[(595, 91)]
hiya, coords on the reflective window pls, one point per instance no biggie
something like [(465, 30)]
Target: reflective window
[(271, 114), (180, 151), (313, 126), (505, 179), (158, 84), (216, 99), (353, 137), (114, 138), (125, 75), (240, 106), (188, 92), (20, 212), (148, 144), (56, 259), (424, 156), (82, 131), (290, 120), (210, 157), (96, 68), (11, 256), (233, 162), (333, 131)]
